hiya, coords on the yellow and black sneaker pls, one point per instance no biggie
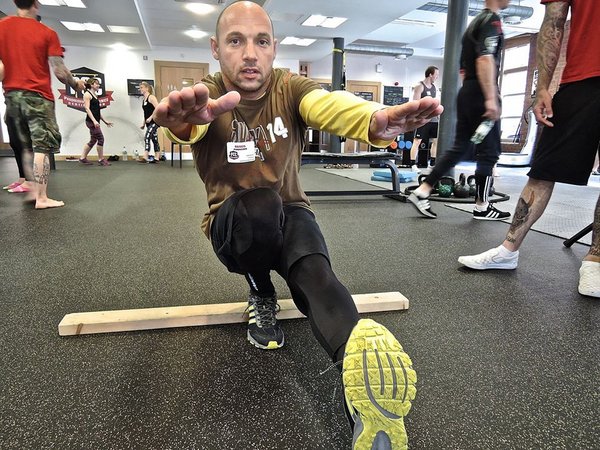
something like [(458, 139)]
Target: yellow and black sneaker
[(379, 385), (264, 330)]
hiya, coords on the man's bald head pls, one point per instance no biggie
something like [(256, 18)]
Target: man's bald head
[(239, 7)]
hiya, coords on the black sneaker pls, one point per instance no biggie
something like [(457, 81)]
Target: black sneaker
[(422, 204), (490, 213), (263, 329)]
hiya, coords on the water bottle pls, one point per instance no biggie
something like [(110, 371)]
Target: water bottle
[(137, 154), (124, 154), (482, 131)]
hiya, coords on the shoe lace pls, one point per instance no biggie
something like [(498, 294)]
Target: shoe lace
[(265, 310), (338, 382)]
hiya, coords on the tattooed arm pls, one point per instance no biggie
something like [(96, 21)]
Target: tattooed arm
[(64, 74), (548, 51)]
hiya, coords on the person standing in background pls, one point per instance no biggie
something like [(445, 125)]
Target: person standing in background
[(478, 100), (148, 105), (427, 134), (92, 121), (569, 141), (26, 48)]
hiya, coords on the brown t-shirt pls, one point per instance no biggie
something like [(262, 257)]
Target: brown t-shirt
[(274, 124)]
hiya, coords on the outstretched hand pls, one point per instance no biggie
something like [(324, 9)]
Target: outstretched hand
[(388, 123), (192, 106)]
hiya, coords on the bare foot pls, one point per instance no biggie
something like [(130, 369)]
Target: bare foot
[(48, 203)]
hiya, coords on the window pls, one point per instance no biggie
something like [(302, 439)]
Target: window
[(513, 89)]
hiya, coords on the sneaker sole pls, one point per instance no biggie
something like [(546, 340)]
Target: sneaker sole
[(379, 385), (272, 345), (488, 266), (491, 218)]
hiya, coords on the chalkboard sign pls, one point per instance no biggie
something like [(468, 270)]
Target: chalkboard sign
[(364, 95), (133, 86), (393, 95)]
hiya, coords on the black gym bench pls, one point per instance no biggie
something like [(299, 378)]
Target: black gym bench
[(387, 159)]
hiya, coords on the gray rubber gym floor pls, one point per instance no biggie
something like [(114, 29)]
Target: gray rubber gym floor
[(506, 360)]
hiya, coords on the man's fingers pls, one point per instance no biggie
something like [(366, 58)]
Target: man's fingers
[(425, 108), (188, 99), (225, 103), (201, 93), (174, 103)]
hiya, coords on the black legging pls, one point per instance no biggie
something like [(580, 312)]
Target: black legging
[(255, 248), (151, 136), (326, 302), (470, 106), (17, 148)]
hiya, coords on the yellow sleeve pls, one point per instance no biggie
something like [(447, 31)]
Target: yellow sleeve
[(340, 113), (198, 132)]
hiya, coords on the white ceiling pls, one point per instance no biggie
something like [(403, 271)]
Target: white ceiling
[(162, 22)]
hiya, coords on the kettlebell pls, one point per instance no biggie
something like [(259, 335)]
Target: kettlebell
[(445, 186), (472, 187), (461, 190)]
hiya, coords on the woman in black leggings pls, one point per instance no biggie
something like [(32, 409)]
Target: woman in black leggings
[(151, 135)]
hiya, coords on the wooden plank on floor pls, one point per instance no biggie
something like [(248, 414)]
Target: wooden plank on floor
[(198, 315)]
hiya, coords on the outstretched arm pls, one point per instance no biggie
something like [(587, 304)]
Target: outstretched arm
[(548, 51), (180, 110), (388, 123), (64, 74)]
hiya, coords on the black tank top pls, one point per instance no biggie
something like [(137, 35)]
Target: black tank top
[(428, 92), (94, 108), (148, 110)]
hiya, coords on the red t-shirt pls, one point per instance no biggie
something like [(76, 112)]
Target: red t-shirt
[(25, 45), (583, 48)]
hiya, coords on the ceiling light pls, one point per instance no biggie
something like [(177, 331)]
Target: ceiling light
[(69, 3), (195, 34), (512, 20), (120, 29), (291, 40), (200, 8), (324, 21), (415, 22), (120, 46), (77, 26)]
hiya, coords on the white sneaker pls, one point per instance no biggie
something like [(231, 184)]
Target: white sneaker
[(490, 260), (589, 279), (415, 169)]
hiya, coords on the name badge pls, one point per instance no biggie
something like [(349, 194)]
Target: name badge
[(240, 152)]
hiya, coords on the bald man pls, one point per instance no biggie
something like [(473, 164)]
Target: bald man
[(246, 127)]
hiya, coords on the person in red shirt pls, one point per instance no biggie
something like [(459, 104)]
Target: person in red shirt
[(569, 142), (26, 48)]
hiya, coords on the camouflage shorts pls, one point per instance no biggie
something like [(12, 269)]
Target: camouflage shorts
[(34, 120)]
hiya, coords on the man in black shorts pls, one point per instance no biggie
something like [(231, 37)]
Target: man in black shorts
[(426, 135), (246, 126), (478, 100), (569, 142)]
